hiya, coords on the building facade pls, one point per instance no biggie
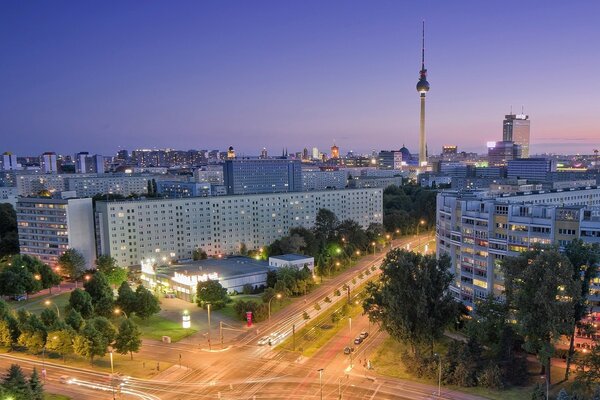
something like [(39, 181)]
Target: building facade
[(172, 229), (515, 128), (250, 176), (48, 227), (317, 179), (478, 231), (535, 169), (125, 185)]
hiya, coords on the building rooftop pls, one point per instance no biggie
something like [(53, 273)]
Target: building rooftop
[(291, 257), (224, 267)]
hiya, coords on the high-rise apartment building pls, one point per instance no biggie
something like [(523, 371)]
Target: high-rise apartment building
[(248, 176), (335, 151), (534, 169), (49, 163), (515, 128), (171, 229), (9, 162), (84, 163), (48, 227), (478, 230)]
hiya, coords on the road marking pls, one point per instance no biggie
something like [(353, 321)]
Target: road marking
[(375, 392)]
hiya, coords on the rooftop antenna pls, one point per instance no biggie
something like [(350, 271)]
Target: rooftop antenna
[(511, 109), (523, 110)]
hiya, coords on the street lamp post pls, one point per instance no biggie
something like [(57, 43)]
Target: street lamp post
[(48, 302), (119, 311), (209, 347), (321, 381), (278, 296), (373, 244), (439, 357), (421, 222)]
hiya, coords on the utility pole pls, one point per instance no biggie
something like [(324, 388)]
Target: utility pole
[(321, 381)]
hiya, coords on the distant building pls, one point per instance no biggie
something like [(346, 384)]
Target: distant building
[(335, 151), (124, 185), (230, 153), (500, 153), (535, 169), (84, 163), (178, 189), (449, 150), (315, 154), (360, 182), (48, 227), (516, 129), (248, 176), (264, 154), (49, 164), (390, 159), (323, 179), (9, 162), (8, 195), (210, 174)]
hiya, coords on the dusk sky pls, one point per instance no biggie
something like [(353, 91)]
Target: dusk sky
[(96, 76)]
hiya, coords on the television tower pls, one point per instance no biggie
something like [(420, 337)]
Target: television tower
[(422, 88)]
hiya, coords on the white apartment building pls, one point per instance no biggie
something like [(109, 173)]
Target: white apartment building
[(32, 184), (48, 227), (478, 230), (170, 229), (316, 179), (125, 185), (8, 194)]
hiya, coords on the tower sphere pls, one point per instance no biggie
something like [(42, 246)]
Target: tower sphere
[(422, 86)]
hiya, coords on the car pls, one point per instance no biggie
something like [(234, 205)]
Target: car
[(348, 350), (364, 334), (358, 340), (65, 379), (263, 340), (19, 297)]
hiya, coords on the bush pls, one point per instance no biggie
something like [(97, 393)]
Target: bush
[(367, 272), (354, 281), (337, 292), (260, 311), (491, 377), (305, 315), (327, 299), (317, 306), (247, 289), (361, 275)]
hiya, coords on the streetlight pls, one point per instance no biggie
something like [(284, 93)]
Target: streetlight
[(321, 381), (440, 374), (278, 296), (208, 307), (373, 244), (48, 302), (119, 311), (421, 222)]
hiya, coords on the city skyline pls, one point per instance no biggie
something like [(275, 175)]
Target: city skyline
[(293, 75)]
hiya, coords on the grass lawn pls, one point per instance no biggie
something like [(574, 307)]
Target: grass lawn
[(156, 327), (50, 396), (316, 333), (388, 361), (36, 305)]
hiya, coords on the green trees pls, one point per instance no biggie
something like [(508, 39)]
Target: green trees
[(72, 264), (101, 294), (211, 292), (60, 342), (411, 301), (16, 385), (36, 387), (9, 238), (81, 301), (114, 274), (126, 299), (540, 292), (128, 339), (405, 206), (21, 274), (146, 304), (584, 260), (90, 343), (199, 254)]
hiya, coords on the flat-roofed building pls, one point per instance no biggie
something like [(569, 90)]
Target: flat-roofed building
[(48, 227), (134, 230)]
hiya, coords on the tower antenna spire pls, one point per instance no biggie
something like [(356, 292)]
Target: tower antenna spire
[(423, 48)]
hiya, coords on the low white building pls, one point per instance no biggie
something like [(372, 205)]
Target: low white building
[(292, 260)]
